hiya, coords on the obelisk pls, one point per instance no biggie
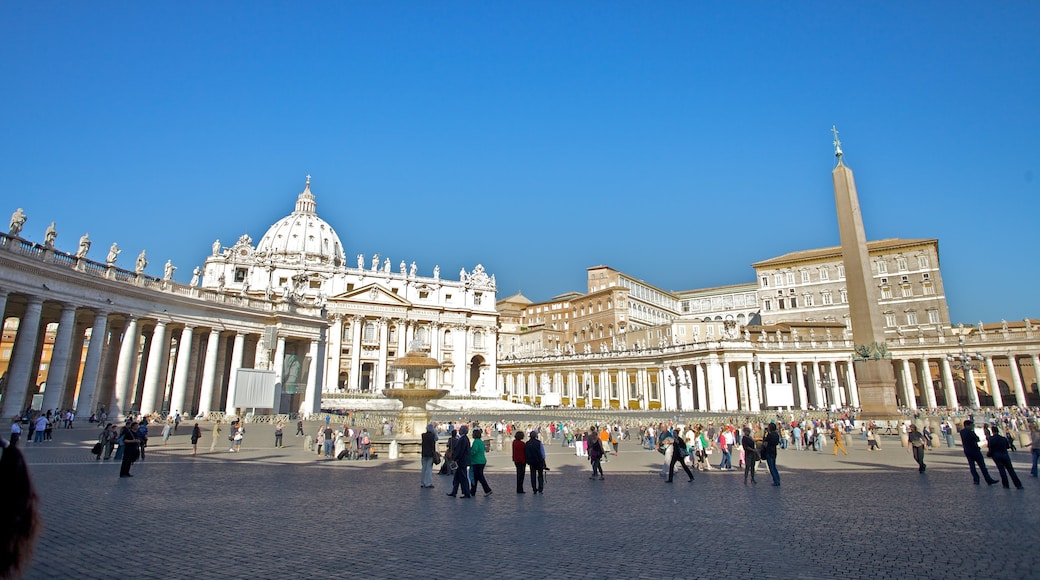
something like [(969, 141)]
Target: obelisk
[(872, 363)]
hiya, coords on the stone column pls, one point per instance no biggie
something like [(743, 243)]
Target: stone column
[(122, 393), (702, 390), (754, 404), (732, 404), (279, 369), (1016, 381), (803, 394), (155, 371), (832, 370), (3, 306), (209, 372), (973, 393), (994, 382), (908, 385), (715, 386), (237, 354), (1036, 370), (335, 352), (19, 371), (312, 399), (180, 376), (850, 374), (92, 366), (927, 383), (950, 387), (381, 367), (357, 327), (57, 375)]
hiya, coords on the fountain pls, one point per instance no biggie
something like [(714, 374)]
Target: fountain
[(413, 417)]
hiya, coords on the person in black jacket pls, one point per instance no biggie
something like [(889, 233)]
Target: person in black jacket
[(460, 454), (998, 449), (769, 452), (679, 453), (750, 455), (970, 446), (429, 449), (534, 456)]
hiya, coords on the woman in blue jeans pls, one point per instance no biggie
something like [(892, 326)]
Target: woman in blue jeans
[(772, 440)]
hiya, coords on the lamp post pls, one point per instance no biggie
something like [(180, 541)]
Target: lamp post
[(825, 385), (967, 363)]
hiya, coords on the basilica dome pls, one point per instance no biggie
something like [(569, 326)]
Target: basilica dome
[(302, 236)]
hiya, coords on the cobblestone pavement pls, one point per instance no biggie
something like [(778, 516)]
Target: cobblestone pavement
[(284, 513)]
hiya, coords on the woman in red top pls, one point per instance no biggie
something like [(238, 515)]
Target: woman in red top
[(518, 460)]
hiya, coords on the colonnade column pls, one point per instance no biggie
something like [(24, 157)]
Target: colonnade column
[(335, 352), (21, 359), (57, 374), (312, 399), (92, 366), (853, 388), (732, 404), (973, 393), (1016, 380), (949, 387), (1036, 370), (803, 394), (154, 372), (994, 383), (209, 372), (125, 368), (927, 383), (356, 328), (702, 390), (908, 385), (384, 344), (832, 371), (715, 386), (180, 377), (237, 354), (754, 404), (279, 368)]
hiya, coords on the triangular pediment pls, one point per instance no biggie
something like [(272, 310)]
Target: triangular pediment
[(371, 294)]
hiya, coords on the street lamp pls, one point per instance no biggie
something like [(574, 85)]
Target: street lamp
[(964, 361)]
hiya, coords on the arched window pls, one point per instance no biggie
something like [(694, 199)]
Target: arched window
[(478, 339), (447, 341), (422, 336), (370, 332)]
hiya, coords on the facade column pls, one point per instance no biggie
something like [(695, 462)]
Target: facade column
[(927, 383), (384, 345), (356, 329), (715, 386), (732, 403), (702, 390), (20, 373), (1036, 371), (832, 370), (850, 373), (237, 354), (57, 374), (92, 366), (820, 400), (1016, 381), (335, 352), (312, 398), (754, 404), (209, 372), (994, 383), (154, 372), (279, 370), (180, 376), (947, 378), (908, 385), (973, 393), (803, 395), (125, 369)]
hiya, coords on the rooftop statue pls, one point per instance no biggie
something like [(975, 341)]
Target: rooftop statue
[(50, 235), (141, 264), (113, 254), (195, 277), (168, 270), (17, 222), (216, 247), (84, 246)]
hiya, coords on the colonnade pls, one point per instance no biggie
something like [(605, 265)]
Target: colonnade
[(140, 362)]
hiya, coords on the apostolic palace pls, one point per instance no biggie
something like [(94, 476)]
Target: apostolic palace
[(81, 332)]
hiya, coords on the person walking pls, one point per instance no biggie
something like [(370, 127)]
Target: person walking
[(299, 428), (838, 435), (595, 452), (915, 443), (429, 450), (108, 439), (129, 446), (520, 460), (478, 461), (196, 434), (679, 455), (216, 435), (279, 429), (750, 455), (970, 446), (460, 455), (166, 432), (534, 457), (16, 433), (998, 449), (770, 443), (872, 443)]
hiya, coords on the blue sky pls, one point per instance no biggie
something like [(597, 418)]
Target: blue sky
[(678, 142)]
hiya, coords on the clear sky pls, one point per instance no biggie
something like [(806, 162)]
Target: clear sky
[(678, 142)]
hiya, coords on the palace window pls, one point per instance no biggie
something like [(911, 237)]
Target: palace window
[(240, 274), (805, 277), (765, 281), (882, 267), (794, 302), (767, 304), (808, 300), (841, 272), (790, 278), (369, 334), (886, 292), (911, 318), (478, 297), (844, 296), (901, 264), (933, 317), (827, 298), (824, 275), (447, 341), (890, 320), (478, 339), (424, 294), (907, 291), (922, 262), (928, 288), (778, 279)]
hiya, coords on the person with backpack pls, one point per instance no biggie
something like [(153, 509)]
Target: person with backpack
[(366, 445), (129, 445), (750, 455), (595, 452), (534, 458), (679, 454)]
